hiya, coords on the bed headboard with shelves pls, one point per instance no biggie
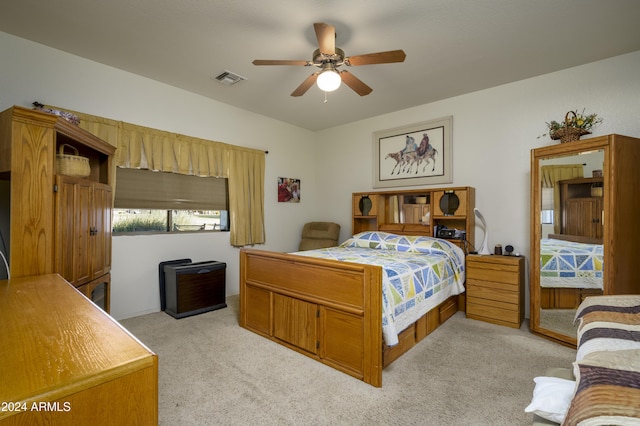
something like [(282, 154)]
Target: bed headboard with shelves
[(417, 212)]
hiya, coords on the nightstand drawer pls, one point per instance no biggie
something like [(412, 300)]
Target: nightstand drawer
[(482, 292), (506, 274), (506, 306), (493, 314), (515, 287)]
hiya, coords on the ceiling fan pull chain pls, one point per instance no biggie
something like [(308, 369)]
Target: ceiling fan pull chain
[(325, 97)]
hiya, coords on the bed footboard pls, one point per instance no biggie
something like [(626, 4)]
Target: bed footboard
[(327, 310)]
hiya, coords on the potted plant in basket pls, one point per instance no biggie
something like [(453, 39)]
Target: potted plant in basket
[(573, 127)]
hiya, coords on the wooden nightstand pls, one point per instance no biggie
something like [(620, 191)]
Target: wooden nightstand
[(495, 287)]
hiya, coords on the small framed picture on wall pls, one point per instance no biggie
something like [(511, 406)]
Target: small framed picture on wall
[(288, 190)]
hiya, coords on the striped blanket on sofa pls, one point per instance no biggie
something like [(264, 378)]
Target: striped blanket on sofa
[(607, 366)]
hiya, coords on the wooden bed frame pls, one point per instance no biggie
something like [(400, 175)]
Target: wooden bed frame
[(333, 315)]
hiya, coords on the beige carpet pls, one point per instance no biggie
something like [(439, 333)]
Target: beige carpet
[(212, 372)]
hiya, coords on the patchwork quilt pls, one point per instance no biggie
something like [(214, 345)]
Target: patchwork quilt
[(569, 264), (418, 273)]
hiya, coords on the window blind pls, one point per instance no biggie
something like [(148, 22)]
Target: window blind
[(146, 189)]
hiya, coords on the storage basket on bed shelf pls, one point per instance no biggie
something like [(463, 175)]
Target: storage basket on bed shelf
[(72, 164)]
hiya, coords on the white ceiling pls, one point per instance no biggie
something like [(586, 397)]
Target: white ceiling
[(453, 47)]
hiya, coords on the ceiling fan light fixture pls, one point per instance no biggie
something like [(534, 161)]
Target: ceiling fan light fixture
[(329, 79), (327, 57)]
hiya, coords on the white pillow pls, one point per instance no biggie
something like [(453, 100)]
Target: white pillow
[(551, 398)]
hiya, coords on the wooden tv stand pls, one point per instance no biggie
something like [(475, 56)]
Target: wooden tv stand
[(65, 361)]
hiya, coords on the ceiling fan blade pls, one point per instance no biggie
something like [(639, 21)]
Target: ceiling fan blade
[(376, 58), (280, 62), (326, 35), (306, 84), (355, 83)]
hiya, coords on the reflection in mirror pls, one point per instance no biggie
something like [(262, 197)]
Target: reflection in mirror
[(571, 249)]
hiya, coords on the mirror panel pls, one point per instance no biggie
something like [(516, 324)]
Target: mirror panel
[(567, 238)]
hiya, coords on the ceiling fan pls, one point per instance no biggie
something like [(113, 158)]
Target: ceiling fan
[(329, 58)]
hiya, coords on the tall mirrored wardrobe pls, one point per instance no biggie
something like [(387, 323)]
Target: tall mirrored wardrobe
[(585, 228)]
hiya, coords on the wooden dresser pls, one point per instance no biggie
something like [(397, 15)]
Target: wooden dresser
[(64, 361), (495, 289)]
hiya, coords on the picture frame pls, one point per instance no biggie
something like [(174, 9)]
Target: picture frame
[(289, 190), (416, 154)]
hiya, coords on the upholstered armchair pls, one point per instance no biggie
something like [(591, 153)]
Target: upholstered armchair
[(319, 235)]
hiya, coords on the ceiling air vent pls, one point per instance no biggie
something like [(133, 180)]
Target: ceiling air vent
[(228, 78)]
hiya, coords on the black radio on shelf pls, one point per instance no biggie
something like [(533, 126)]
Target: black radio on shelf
[(447, 233)]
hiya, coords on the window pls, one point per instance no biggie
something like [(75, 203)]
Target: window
[(148, 201), (546, 214), (145, 220), (546, 217)]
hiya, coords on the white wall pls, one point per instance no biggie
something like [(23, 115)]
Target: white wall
[(33, 72), (493, 133)]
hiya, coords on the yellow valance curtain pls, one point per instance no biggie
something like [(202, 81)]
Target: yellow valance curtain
[(550, 175), (147, 148), (142, 147)]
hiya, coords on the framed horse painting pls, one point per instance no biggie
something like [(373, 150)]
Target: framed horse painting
[(418, 154)]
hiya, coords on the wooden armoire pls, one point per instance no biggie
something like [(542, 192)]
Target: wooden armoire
[(582, 206), (57, 223), (601, 208)]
